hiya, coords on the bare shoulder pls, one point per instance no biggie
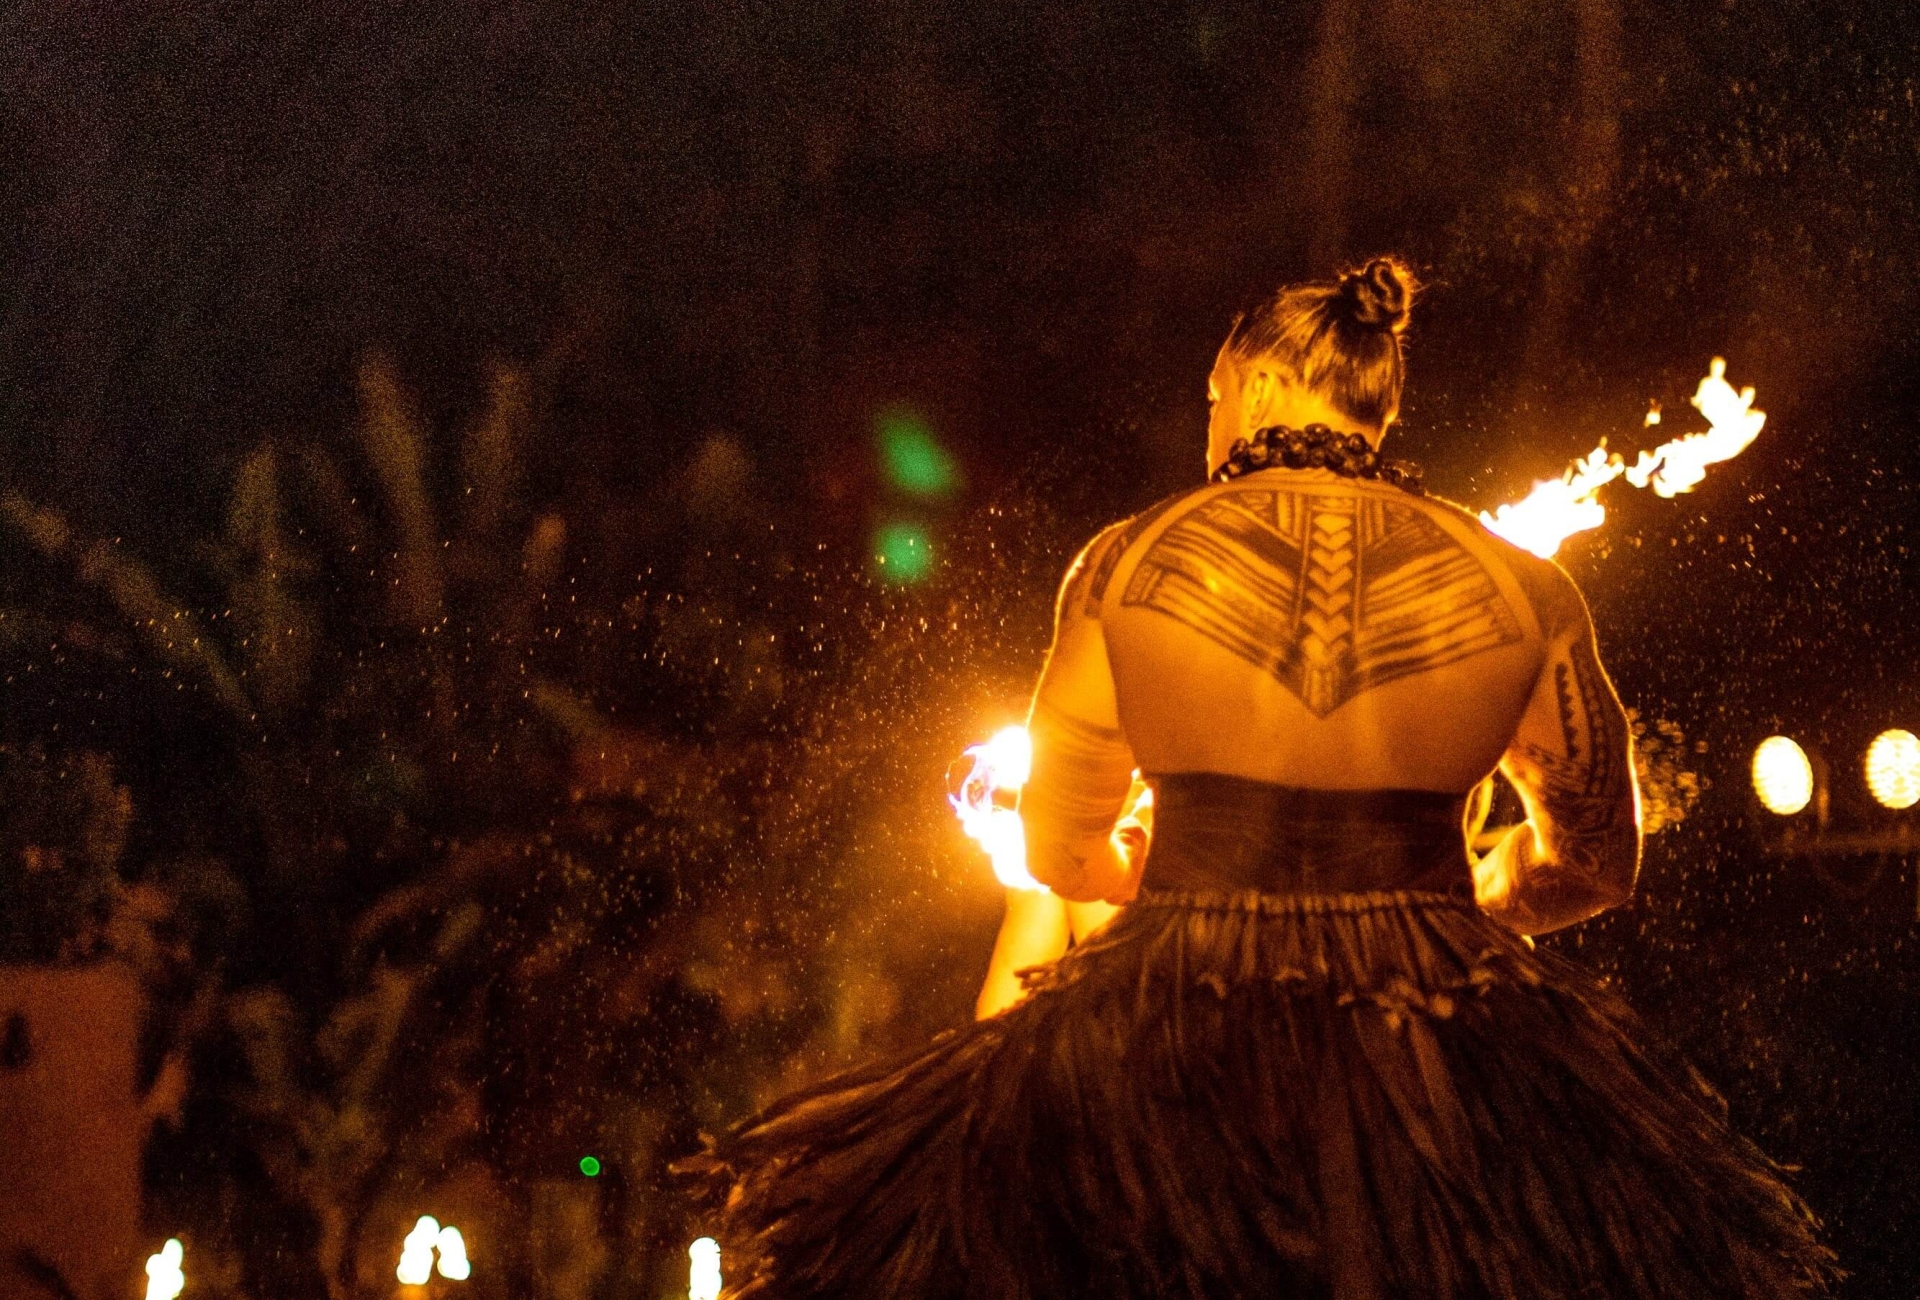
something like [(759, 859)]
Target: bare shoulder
[(1092, 573), (1556, 600)]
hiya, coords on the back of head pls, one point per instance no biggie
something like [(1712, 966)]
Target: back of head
[(1340, 340)]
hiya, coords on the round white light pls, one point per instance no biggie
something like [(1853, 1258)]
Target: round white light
[(703, 1279), (1782, 775), (1893, 768)]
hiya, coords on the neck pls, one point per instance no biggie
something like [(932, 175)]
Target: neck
[(1347, 455), (1218, 451)]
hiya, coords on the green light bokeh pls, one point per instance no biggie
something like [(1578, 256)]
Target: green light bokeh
[(590, 1166), (902, 553), (913, 459)]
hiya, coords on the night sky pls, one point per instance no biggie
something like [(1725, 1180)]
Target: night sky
[(730, 247)]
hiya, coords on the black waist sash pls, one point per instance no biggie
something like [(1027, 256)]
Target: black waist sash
[(1217, 832)]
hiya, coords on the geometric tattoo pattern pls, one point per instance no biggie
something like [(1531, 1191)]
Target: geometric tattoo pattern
[(1583, 792), (1591, 735), (1331, 595), (1118, 542)]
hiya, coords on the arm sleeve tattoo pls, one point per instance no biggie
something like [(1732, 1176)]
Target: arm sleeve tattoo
[(1573, 766)]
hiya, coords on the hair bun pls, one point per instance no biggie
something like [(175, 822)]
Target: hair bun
[(1379, 296)]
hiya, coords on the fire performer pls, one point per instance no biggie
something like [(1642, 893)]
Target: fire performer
[(1315, 1054)]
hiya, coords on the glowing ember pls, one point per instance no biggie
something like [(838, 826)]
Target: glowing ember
[(984, 797), (165, 1279), (703, 1278), (1558, 508)]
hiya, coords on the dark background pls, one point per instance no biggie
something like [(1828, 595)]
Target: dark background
[(721, 249)]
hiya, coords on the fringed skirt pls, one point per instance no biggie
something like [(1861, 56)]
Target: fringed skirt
[(1350, 1096)]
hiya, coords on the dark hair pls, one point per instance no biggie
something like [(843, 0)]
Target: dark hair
[(1339, 341)]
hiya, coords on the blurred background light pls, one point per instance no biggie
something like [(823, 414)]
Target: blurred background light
[(1782, 775), (1893, 768), (902, 552), (428, 1239), (703, 1277), (913, 459), (453, 1254), (165, 1277), (416, 1253), (590, 1166)]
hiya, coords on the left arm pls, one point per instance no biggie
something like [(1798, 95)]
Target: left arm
[(1571, 761), (1034, 933), (1082, 764), (1040, 925)]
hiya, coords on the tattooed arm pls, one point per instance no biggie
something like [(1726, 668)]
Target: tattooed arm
[(1579, 850), (1039, 926), (1082, 766)]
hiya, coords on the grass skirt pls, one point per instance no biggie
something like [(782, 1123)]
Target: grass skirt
[(1351, 1096)]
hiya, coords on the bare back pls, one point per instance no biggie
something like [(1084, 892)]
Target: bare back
[(1300, 628), (1310, 630)]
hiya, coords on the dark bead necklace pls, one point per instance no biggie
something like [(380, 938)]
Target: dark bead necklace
[(1317, 447)]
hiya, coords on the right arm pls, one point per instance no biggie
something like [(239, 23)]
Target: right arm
[(1081, 760), (1571, 761)]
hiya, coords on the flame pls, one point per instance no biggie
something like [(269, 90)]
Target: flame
[(703, 1277), (983, 801), (165, 1280), (984, 796), (1678, 466), (1558, 508)]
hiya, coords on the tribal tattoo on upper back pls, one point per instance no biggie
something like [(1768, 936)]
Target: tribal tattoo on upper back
[(1105, 554), (1331, 595)]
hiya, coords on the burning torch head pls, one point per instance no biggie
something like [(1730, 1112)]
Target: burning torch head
[(984, 788)]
